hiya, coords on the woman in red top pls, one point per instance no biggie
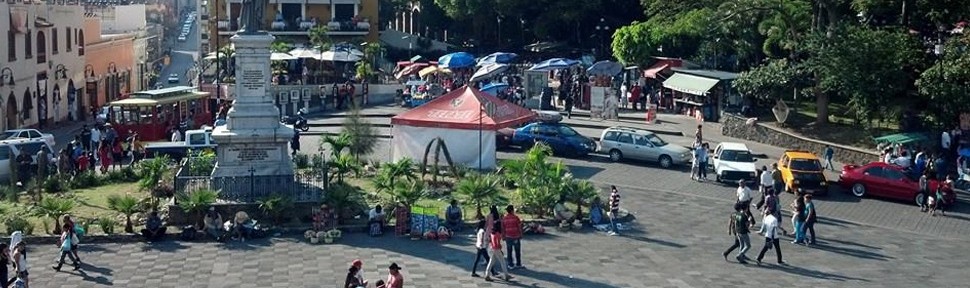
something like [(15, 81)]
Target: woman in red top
[(495, 242), (104, 153)]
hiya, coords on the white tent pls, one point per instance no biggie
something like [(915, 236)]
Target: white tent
[(465, 119)]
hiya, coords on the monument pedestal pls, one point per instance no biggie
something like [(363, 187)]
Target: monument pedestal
[(253, 146)]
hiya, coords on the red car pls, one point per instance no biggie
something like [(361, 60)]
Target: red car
[(887, 180)]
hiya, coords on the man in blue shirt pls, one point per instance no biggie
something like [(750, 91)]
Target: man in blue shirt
[(829, 154)]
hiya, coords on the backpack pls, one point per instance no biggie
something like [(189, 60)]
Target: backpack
[(188, 233)]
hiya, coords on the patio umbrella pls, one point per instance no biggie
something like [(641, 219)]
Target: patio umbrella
[(338, 56), (488, 71), (604, 68), (498, 57), (432, 70), (281, 56), (554, 64), (411, 69), (456, 60), (493, 88), (304, 52)]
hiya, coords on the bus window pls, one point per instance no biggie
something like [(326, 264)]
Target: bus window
[(147, 115), (116, 116), (131, 115)]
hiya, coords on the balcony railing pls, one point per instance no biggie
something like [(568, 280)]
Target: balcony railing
[(224, 26), (349, 26)]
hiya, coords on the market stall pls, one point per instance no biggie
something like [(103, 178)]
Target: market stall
[(466, 119)]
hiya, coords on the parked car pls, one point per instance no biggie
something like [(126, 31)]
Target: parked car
[(28, 134), (733, 162), (10, 149), (195, 140), (560, 137), (887, 180), (173, 78), (802, 173), (625, 142)]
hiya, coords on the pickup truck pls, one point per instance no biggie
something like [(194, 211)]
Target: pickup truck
[(28, 134), (199, 139)]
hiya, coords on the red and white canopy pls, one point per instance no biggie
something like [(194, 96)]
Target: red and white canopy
[(461, 109)]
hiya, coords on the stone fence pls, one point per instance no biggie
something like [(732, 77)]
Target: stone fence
[(737, 127)]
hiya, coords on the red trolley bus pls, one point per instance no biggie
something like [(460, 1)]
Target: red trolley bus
[(154, 113)]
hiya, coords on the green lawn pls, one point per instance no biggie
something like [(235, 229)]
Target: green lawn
[(90, 203)]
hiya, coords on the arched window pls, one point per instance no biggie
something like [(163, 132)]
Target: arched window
[(28, 45), (11, 46), (25, 114), (80, 42), (54, 46), (68, 43), (41, 47)]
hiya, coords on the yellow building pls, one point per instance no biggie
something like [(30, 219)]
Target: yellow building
[(346, 20)]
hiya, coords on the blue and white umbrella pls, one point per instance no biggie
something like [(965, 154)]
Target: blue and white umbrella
[(493, 88), (554, 64), (604, 68), (456, 60), (488, 71), (498, 57)]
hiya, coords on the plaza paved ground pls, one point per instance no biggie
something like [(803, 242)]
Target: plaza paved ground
[(676, 242)]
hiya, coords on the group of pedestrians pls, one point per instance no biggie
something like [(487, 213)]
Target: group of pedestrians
[(98, 148), (355, 276), (488, 241), (741, 220)]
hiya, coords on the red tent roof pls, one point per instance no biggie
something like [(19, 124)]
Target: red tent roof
[(460, 109)]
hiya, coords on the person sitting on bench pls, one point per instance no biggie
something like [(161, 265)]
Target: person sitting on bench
[(562, 213), (453, 217), (375, 221), (213, 224)]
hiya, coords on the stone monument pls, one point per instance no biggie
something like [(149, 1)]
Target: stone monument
[(253, 145)]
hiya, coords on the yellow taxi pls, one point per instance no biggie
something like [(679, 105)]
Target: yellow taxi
[(802, 173)]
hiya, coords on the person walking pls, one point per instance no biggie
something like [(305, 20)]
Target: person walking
[(77, 236), (614, 210), (766, 185), (798, 218), (771, 237), (19, 257), (295, 142), (702, 168), (481, 242), (829, 153), (777, 182), (513, 237), (4, 262), (495, 241), (810, 219), (744, 198), (569, 107), (924, 188), (738, 227), (67, 238)]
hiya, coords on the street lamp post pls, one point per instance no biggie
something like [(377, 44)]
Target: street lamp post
[(410, 39), (499, 19), (522, 29), (602, 30)]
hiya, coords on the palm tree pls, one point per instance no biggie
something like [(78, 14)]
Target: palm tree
[(538, 181), (439, 148), (225, 55), (408, 192), (275, 206), (337, 144), (127, 205), (152, 172), (342, 165), (54, 208), (319, 38), (197, 202), (480, 190), (579, 192), (343, 198)]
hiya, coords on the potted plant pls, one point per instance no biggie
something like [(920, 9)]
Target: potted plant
[(327, 237), (311, 236)]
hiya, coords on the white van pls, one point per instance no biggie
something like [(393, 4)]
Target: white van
[(10, 149)]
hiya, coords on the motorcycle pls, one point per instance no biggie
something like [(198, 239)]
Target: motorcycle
[(298, 122)]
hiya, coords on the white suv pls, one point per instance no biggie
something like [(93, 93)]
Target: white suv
[(733, 162), (625, 142)]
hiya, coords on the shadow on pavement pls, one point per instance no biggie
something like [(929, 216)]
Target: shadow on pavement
[(857, 253), (848, 243), (563, 280), (835, 222), (167, 246), (641, 235), (98, 275), (792, 269)]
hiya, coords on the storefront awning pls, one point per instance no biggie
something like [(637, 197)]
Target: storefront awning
[(690, 84), (656, 68)]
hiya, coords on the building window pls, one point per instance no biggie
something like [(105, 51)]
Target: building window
[(28, 47), (67, 33), (343, 12), (11, 46), (80, 42), (41, 47), (54, 45)]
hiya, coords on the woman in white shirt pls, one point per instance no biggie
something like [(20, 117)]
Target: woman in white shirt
[(481, 244)]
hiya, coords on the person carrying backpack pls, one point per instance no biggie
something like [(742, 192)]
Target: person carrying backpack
[(738, 226)]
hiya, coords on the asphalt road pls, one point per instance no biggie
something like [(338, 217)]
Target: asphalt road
[(183, 57)]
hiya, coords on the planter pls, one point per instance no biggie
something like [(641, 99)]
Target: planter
[(328, 240), (314, 240)]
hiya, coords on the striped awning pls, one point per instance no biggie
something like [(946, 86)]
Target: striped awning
[(690, 84)]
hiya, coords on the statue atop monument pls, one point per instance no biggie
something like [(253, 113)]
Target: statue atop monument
[(252, 16)]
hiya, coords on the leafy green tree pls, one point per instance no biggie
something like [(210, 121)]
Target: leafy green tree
[(408, 192), (343, 165), (319, 37), (337, 144), (197, 202), (539, 183), (944, 85), (869, 67), (480, 190), (361, 136), (281, 46), (579, 192), (126, 205), (773, 80), (388, 174), (55, 208), (782, 22), (153, 170), (345, 199)]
